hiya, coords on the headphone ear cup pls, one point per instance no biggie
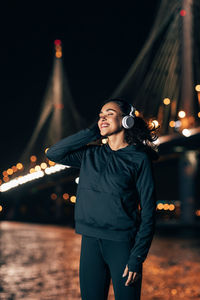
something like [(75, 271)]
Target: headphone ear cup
[(124, 122), (128, 122)]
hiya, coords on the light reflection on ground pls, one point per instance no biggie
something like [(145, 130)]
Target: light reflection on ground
[(42, 262)]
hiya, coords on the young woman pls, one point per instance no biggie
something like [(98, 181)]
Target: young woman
[(115, 208)]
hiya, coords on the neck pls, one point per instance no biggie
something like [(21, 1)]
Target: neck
[(117, 141)]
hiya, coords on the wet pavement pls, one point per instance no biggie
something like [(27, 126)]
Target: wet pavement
[(40, 262)]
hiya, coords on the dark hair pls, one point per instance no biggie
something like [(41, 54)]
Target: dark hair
[(143, 132)]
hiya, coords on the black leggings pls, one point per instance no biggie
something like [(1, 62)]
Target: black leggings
[(101, 260)]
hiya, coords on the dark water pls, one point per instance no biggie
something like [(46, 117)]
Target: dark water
[(41, 262)]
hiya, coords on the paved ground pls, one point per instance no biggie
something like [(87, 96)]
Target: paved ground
[(40, 262)]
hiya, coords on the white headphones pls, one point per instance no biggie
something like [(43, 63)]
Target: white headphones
[(128, 121)]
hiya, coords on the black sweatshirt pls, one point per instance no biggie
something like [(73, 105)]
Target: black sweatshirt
[(111, 184)]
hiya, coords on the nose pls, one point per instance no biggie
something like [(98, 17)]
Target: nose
[(104, 117)]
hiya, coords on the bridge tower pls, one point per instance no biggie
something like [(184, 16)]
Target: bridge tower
[(164, 84)]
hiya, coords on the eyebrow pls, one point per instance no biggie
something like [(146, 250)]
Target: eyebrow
[(108, 110)]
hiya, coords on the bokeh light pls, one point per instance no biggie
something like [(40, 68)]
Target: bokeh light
[(65, 196), (166, 101), (181, 114), (19, 166), (73, 199), (33, 158)]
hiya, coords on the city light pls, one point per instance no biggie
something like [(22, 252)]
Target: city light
[(166, 101), (172, 123), (43, 165), (65, 196), (37, 168), (104, 141), (53, 196), (14, 168), (182, 12), (58, 54), (165, 206), (197, 87), (171, 206), (181, 114), (177, 124), (10, 171), (58, 48), (77, 180), (186, 132), (33, 174), (73, 199), (54, 169), (5, 179), (137, 113), (33, 158), (20, 180), (19, 166), (5, 173), (57, 42), (160, 206)]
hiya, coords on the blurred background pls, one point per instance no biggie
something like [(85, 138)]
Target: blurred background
[(58, 64)]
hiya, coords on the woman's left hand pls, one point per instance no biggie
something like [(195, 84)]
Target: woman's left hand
[(132, 276)]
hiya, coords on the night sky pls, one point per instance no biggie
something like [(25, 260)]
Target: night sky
[(99, 46)]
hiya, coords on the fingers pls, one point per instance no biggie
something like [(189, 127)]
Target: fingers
[(132, 277), (125, 271)]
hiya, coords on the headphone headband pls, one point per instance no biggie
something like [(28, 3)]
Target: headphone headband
[(132, 112)]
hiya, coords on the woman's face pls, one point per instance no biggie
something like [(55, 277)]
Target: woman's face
[(110, 119)]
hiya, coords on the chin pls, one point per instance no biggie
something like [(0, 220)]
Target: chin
[(103, 134)]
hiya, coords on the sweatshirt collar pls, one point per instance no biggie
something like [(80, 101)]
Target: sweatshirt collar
[(127, 148)]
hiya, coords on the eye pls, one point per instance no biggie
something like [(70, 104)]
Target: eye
[(109, 114)]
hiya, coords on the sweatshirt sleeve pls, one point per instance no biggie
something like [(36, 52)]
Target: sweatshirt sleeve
[(69, 150), (146, 188)]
